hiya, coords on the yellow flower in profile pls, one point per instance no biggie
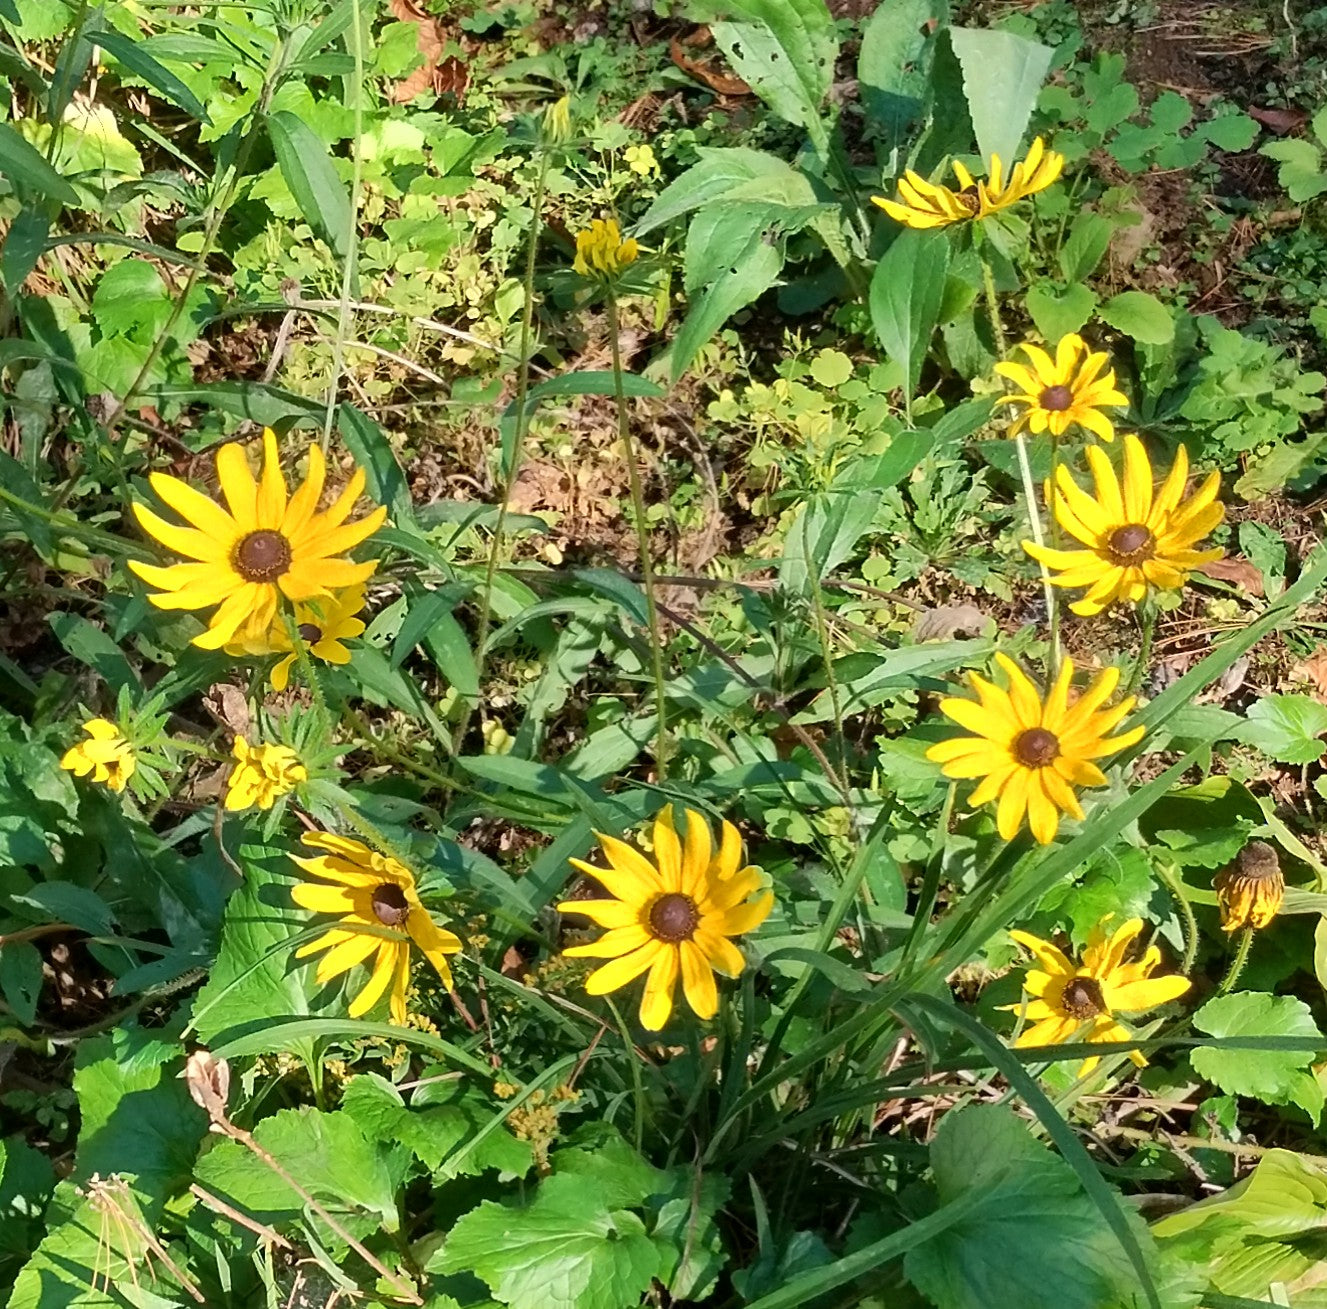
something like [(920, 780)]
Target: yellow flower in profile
[(557, 122), (381, 915), (640, 159), (1031, 753), (1068, 996), (925, 204), (674, 917), (601, 251), (1056, 393), (323, 624), (1250, 890), (270, 544), (105, 754), (1134, 540), (262, 774)]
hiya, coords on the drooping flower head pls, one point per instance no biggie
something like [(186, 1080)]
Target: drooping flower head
[(926, 204), (1032, 753), (381, 915), (1054, 394), (601, 252), (323, 624), (269, 544), (1135, 540), (105, 754), (1250, 890), (262, 774), (557, 122), (674, 916), (1067, 997)]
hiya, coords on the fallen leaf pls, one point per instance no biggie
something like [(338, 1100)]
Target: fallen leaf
[(441, 76), (1314, 671), (718, 82), (1280, 121), (1241, 574), (945, 622), (229, 706)]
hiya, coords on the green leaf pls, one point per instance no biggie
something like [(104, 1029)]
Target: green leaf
[(1058, 311), (20, 978), (1274, 1076), (1265, 549), (1088, 241), (907, 288), (67, 902), (384, 480), (1301, 173), (1002, 77), (827, 526), (566, 1250), (785, 51), (132, 301), (894, 64), (1034, 1234), (21, 164), (137, 60), (24, 244), (1285, 460), (92, 647), (1287, 728), (1141, 316), (1231, 132), (312, 179), (326, 1153)]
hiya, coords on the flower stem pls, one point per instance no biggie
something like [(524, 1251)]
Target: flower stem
[(1144, 651), (1169, 874), (1237, 965), (642, 536), (1034, 518), (992, 302)]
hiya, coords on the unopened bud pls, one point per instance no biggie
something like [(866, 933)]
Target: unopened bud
[(208, 1079)]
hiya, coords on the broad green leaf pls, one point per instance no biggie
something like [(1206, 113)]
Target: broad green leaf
[(1283, 1197), (67, 902), (566, 1250), (26, 1179), (894, 64), (256, 401), (785, 51), (132, 55), (1034, 1238), (312, 179), (1002, 77), (1284, 461), (906, 292), (24, 244), (1087, 243), (93, 648), (1141, 316), (1058, 311), (1287, 728), (718, 229), (326, 1153), (827, 526), (385, 482), (1231, 132), (1274, 1076), (23, 166), (20, 973), (1302, 173)]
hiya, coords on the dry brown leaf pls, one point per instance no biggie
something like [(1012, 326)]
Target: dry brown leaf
[(229, 706), (719, 82), (1280, 121), (1314, 671), (945, 622), (1238, 572)]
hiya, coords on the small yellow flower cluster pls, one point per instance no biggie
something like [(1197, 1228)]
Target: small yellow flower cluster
[(602, 253), (536, 1121), (262, 774), (105, 754)]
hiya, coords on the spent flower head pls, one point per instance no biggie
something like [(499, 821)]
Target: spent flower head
[(1250, 890)]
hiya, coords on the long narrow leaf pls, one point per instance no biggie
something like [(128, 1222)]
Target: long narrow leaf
[(138, 61)]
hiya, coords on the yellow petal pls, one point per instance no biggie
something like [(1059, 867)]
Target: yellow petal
[(657, 1001)]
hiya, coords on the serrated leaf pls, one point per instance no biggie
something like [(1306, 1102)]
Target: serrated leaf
[(1270, 1075), (1002, 77), (1287, 728)]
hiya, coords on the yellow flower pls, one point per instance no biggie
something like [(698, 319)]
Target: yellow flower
[(1135, 539), (640, 159), (269, 544), (673, 916), (601, 251), (925, 204), (1056, 393), (1250, 890), (105, 754), (1032, 754), (380, 913), (557, 121), (1066, 996), (322, 623), (262, 774)]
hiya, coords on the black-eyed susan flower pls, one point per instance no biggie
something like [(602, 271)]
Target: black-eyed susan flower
[(1068, 997), (675, 917), (1073, 387), (323, 625), (105, 754), (927, 204), (601, 252), (1032, 754), (1135, 540), (269, 544), (381, 915), (262, 774), (1250, 890), (557, 122)]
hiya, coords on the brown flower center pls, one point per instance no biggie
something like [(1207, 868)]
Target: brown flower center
[(310, 633), (1131, 544), (1258, 862), (969, 198), (390, 904), (1036, 747), (674, 918), (1056, 398), (1082, 998), (262, 556)]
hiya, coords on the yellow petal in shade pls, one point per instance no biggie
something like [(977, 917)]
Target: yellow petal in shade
[(673, 919), (379, 916)]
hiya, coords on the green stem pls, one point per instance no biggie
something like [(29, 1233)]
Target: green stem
[(1237, 965), (1034, 518), (633, 1058), (642, 536), (1169, 874), (992, 302), (1144, 651), (518, 446)]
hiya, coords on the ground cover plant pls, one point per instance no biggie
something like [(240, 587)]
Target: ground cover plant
[(662, 654)]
